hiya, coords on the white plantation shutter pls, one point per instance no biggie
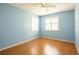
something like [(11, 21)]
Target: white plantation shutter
[(34, 23), (52, 23)]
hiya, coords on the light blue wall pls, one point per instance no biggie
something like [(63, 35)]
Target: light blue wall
[(66, 26), (15, 25), (77, 26)]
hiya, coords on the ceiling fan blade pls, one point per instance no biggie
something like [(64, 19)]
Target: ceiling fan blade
[(50, 5)]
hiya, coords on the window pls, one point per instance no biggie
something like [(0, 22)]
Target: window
[(52, 23), (34, 23)]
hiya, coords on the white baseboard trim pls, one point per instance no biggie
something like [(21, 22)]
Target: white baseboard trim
[(57, 39), (77, 48), (33, 39), (18, 43)]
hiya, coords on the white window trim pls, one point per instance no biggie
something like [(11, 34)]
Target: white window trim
[(35, 23), (52, 23)]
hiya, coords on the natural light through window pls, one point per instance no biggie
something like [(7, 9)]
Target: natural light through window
[(52, 23), (34, 23)]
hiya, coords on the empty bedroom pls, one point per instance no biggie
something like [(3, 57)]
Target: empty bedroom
[(39, 29)]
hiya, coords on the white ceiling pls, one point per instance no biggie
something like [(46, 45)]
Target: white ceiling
[(37, 9)]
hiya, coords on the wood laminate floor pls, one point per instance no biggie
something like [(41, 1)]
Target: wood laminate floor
[(42, 46)]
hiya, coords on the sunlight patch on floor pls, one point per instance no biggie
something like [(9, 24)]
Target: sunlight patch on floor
[(49, 50), (33, 50)]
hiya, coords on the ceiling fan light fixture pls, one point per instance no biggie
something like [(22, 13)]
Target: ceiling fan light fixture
[(43, 3)]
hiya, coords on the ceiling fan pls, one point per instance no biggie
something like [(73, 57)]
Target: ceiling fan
[(47, 5)]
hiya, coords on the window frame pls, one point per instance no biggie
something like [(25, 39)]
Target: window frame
[(51, 24), (35, 23)]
